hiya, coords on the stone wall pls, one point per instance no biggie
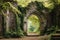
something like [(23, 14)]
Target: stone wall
[(1, 27)]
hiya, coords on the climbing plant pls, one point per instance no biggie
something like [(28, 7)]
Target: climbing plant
[(20, 11), (8, 5)]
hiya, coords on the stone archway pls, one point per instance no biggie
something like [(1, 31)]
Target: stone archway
[(41, 17), (33, 25)]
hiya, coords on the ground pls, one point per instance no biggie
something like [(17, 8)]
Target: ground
[(29, 38)]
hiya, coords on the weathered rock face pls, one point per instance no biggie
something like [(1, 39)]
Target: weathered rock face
[(10, 21)]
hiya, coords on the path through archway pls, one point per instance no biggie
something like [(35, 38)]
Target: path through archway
[(33, 25)]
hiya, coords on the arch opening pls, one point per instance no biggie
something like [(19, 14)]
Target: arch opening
[(33, 25)]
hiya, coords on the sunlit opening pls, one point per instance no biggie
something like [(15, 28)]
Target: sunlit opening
[(33, 25)]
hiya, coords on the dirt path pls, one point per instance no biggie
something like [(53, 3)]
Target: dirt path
[(29, 38)]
